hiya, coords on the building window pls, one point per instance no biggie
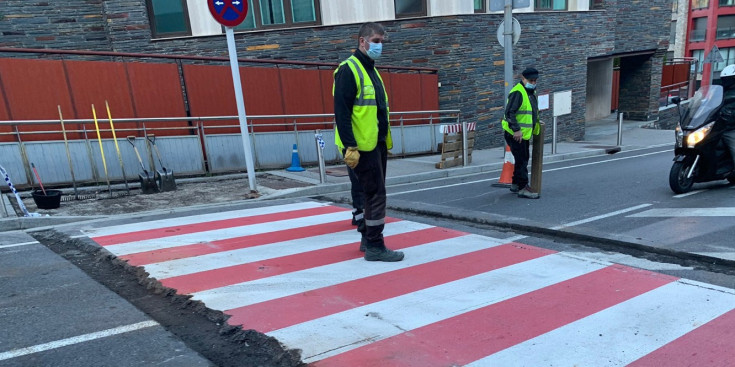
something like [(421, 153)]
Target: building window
[(672, 35), (168, 18), (699, 30), (410, 8), (699, 56), (480, 6), (725, 27), (280, 14), (727, 2), (700, 4), (550, 5)]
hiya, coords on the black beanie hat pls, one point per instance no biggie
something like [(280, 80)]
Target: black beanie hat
[(530, 73)]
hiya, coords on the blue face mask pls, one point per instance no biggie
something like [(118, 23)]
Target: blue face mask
[(375, 50), (530, 86)]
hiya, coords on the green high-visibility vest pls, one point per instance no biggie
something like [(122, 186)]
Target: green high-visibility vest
[(524, 116), (365, 109)]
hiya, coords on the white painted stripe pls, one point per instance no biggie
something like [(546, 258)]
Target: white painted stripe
[(80, 236), (347, 330), (686, 212), (689, 194), (261, 290), (75, 340), (194, 219), (603, 216), (222, 234), (19, 244), (623, 333), (224, 259)]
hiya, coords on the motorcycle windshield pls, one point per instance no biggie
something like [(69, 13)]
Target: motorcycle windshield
[(703, 106)]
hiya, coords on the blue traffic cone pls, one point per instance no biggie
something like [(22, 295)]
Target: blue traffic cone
[(295, 164)]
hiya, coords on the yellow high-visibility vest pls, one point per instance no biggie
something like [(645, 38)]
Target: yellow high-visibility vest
[(524, 116), (365, 109)]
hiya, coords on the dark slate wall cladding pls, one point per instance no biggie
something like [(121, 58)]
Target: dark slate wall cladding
[(636, 28), (73, 24), (464, 48)]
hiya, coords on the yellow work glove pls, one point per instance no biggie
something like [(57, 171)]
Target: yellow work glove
[(352, 157)]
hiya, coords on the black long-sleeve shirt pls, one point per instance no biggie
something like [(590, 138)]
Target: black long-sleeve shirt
[(515, 99), (345, 90)]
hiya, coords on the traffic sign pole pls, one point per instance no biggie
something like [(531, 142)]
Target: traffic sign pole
[(244, 131), (508, 22), (230, 13)]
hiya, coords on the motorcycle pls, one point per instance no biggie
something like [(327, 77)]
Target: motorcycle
[(701, 155)]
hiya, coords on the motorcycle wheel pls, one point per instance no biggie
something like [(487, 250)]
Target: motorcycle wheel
[(678, 180)]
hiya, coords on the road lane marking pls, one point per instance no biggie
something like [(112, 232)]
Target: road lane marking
[(603, 216), (686, 212), (18, 244), (618, 335), (546, 170), (689, 194), (75, 340)]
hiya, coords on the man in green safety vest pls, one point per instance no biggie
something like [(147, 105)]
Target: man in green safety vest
[(363, 134), (519, 122)]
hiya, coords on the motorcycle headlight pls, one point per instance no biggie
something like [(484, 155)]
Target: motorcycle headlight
[(698, 135)]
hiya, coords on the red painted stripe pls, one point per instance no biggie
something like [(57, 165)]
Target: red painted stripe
[(198, 249), (476, 334), (712, 345), (149, 234), (221, 277), (310, 305)]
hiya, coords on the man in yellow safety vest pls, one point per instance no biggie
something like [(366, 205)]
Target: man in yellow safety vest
[(519, 122), (363, 134)]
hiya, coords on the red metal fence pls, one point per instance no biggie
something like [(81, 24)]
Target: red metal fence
[(31, 89)]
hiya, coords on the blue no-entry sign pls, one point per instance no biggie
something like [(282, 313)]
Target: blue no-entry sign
[(229, 13)]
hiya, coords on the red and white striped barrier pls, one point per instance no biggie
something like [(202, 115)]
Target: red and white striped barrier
[(456, 128)]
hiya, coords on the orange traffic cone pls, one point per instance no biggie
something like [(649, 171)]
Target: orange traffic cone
[(506, 176)]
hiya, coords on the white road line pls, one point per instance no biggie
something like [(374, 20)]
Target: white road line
[(603, 216), (621, 334), (75, 340), (195, 219), (689, 194), (347, 330), (686, 212), (266, 289), (222, 234), (546, 170), (168, 269), (19, 244)]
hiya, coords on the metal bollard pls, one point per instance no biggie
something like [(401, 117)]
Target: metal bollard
[(465, 156), (320, 156), (620, 129)]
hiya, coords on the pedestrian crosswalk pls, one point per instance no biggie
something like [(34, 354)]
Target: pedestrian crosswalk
[(294, 272)]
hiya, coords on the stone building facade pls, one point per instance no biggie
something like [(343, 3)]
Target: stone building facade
[(463, 47)]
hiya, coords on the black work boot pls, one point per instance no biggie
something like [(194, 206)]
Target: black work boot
[(363, 244), (377, 251)]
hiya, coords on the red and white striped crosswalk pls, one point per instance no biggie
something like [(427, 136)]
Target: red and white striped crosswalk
[(294, 272)]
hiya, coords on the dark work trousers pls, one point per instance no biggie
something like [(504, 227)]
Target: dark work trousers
[(521, 154), (358, 198), (370, 171)]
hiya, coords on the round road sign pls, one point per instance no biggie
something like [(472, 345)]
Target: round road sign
[(229, 13)]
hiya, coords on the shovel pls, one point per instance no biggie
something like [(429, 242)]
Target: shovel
[(165, 177), (147, 183)]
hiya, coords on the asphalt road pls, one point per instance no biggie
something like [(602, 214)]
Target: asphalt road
[(624, 196)]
